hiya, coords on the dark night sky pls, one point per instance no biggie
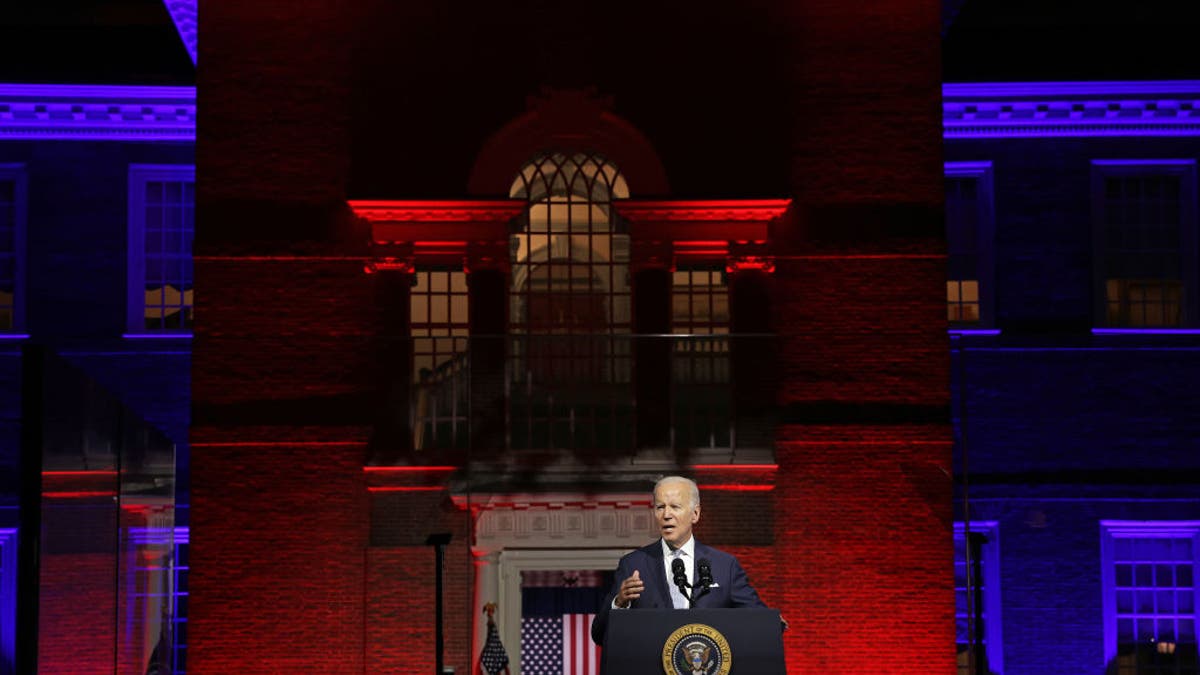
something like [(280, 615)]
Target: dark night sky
[(1068, 40), (91, 42), (133, 41)]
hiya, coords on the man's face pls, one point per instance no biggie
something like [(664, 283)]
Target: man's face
[(674, 513)]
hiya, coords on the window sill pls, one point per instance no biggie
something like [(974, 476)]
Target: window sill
[(157, 336), (1146, 331)]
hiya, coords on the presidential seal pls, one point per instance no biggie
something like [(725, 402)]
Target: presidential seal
[(696, 649)]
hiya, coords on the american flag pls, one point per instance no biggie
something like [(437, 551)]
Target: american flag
[(559, 646), (493, 660)]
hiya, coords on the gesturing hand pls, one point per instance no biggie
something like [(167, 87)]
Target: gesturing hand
[(631, 589)]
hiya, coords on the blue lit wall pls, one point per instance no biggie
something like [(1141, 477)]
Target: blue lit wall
[(1058, 428)]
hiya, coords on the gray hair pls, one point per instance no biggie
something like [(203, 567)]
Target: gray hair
[(692, 487)]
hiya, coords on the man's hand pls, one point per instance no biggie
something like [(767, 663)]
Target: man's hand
[(631, 589)]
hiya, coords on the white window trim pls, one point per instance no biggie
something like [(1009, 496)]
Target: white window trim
[(993, 631), (1185, 169), (18, 174), (983, 173), (1135, 529), (513, 563), (139, 175), (8, 591)]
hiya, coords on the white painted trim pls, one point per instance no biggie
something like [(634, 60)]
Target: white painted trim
[(513, 562)]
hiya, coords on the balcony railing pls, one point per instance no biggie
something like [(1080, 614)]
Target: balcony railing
[(595, 393)]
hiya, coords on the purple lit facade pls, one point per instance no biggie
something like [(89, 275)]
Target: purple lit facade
[(1076, 433)]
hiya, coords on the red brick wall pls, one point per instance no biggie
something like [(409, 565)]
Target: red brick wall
[(277, 555), (867, 585), (77, 615), (401, 576)]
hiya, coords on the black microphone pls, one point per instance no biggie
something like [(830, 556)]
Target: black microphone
[(680, 574), (704, 573)]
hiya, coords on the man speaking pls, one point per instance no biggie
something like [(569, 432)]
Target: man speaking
[(676, 571)]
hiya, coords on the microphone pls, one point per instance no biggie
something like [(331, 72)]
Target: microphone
[(680, 574), (704, 573)]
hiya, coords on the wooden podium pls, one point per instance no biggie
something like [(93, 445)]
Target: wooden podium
[(687, 641)]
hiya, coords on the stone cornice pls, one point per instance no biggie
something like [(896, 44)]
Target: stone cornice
[(1071, 109), (701, 211), (481, 501), (506, 521), (428, 212), (36, 112), (183, 14)]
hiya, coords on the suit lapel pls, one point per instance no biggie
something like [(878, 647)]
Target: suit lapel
[(660, 573)]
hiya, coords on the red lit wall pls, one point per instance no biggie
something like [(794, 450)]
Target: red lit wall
[(277, 562), (77, 616), (298, 568)]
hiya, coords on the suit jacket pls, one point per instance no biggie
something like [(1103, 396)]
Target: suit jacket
[(731, 587)]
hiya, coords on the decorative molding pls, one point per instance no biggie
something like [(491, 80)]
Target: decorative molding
[(549, 520), (430, 212), (36, 112), (688, 211), (1069, 109), (183, 13), (737, 264)]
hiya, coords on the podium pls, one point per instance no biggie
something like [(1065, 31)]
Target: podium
[(637, 639)]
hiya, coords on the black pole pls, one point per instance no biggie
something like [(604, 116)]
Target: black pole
[(33, 367), (438, 542)]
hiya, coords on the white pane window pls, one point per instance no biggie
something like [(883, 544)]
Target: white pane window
[(161, 230), (8, 600), (969, 242), (1150, 596), (977, 597), (702, 406), (570, 364), (1145, 246), (439, 325), (12, 233)]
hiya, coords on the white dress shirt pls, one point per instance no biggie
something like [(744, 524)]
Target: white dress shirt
[(686, 553)]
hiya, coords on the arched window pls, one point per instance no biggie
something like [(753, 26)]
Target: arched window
[(570, 304)]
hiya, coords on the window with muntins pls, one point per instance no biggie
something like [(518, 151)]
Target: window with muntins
[(161, 217), (700, 365), (179, 598), (12, 230), (1150, 596), (570, 307), (969, 214), (439, 325), (1145, 214), (8, 600), (977, 597)]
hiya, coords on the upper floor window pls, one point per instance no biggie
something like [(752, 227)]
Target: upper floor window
[(1145, 242), (439, 325), (570, 306), (1150, 592), (977, 597), (161, 216), (700, 317), (701, 414), (969, 240), (12, 232)]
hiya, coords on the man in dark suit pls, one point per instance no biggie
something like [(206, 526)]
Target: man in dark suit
[(643, 576)]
